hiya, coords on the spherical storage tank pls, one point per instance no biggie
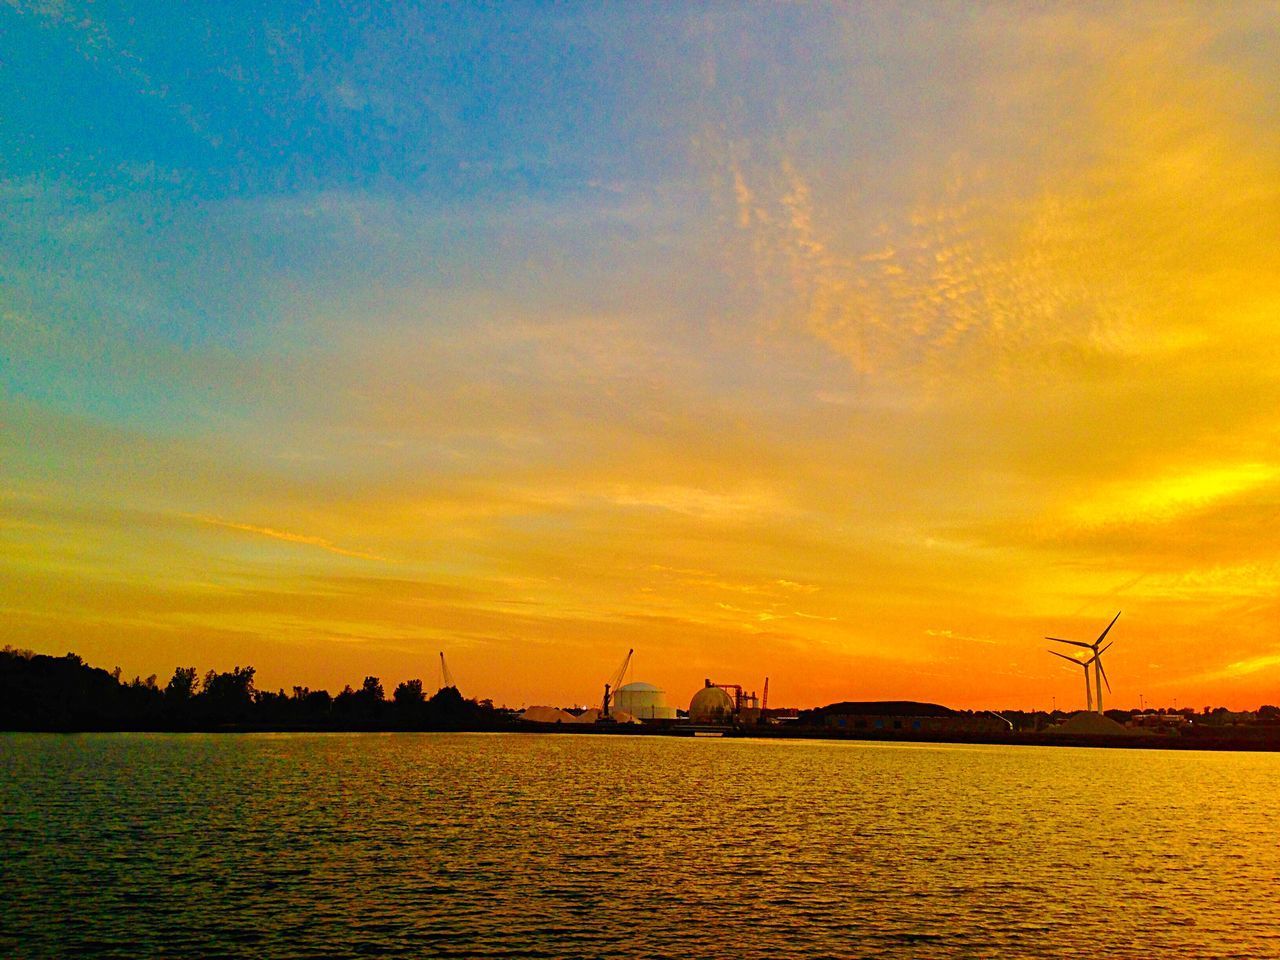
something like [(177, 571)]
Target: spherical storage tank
[(643, 701), (711, 705)]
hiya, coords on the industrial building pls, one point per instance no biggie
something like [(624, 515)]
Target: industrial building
[(909, 716), (713, 704), (643, 701)]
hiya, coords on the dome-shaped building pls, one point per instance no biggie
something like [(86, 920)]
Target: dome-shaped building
[(643, 701), (711, 705)]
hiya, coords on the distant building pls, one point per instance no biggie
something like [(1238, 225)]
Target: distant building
[(711, 705), (901, 716), (725, 703), (643, 701), (1230, 718), (1158, 721)]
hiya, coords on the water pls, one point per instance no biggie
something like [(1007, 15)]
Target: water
[(443, 845)]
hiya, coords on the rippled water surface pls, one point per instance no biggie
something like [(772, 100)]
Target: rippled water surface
[(437, 845)]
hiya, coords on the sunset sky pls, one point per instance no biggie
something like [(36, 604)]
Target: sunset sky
[(856, 346)]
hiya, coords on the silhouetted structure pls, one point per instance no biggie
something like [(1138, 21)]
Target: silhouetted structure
[(901, 716)]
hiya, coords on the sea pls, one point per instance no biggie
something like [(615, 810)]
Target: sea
[(527, 845)]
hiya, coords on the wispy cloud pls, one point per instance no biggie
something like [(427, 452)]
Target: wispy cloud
[(93, 39), (1244, 670), (286, 536), (951, 635), (1162, 498)]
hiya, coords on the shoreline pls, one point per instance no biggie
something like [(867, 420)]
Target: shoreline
[(1216, 742)]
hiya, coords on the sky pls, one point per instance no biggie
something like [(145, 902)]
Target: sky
[(858, 346)]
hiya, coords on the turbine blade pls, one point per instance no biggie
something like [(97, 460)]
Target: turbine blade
[(1108, 630), (1074, 643), (1066, 658), (1103, 671), (1104, 649)]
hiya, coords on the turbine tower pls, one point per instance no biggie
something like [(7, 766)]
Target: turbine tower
[(1099, 674)]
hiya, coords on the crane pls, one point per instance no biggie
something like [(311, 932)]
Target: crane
[(605, 715), (446, 678)]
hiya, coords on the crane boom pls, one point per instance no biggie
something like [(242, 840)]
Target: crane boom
[(613, 684)]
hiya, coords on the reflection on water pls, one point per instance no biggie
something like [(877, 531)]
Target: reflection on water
[(562, 846)]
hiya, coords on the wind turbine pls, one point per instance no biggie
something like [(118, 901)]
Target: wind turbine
[(1088, 690), (1099, 674)]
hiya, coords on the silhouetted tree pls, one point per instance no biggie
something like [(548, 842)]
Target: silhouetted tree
[(447, 710), (408, 704), (39, 692), (182, 686), (408, 692), (318, 703), (272, 708), (365, 705), (228, 696), (344, 703)]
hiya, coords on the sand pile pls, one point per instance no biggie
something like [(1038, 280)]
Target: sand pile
[(1091, 724), (548, 715)]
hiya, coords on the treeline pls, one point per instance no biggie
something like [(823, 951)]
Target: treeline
[(39, 692), (1267, 715)]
